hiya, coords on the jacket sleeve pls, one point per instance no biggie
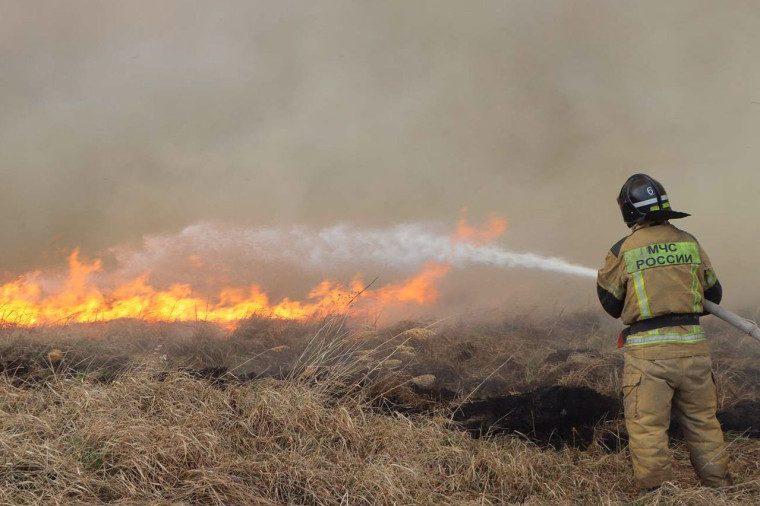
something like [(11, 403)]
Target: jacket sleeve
[(610, 285), (712, 288)]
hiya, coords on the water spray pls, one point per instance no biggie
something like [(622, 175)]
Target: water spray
[(405, 246)]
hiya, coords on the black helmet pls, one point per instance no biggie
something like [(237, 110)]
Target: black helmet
[(644, 199)]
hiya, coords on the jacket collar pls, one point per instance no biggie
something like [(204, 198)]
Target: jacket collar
[(648, 224)]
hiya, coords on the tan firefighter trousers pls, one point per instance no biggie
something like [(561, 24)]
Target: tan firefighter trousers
[(649, 389)]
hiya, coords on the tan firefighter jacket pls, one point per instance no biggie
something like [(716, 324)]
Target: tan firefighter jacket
[(658, 271)]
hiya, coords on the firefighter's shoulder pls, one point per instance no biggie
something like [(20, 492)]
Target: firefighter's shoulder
[(615, 249), (686, 235)]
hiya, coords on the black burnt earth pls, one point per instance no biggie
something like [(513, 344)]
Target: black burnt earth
[(557, 415), (14, 367), (743, 417)]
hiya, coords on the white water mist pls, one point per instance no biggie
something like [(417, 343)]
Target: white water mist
[(402, 246)]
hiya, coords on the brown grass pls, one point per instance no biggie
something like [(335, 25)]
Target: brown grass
[(106, 426)]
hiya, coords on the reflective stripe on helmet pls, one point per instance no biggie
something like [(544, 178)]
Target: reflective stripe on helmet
[(665, 205), (649, 202)]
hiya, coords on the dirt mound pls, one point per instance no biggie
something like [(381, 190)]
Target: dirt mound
[(554, 415)]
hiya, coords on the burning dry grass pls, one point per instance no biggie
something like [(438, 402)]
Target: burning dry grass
[(307, 429)]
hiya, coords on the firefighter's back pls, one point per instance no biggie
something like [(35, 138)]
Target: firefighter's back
[(666, 273)]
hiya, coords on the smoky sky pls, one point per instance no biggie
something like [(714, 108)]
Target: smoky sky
[(125, 119)]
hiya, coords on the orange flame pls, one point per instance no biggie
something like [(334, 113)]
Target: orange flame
[(492, 229), (24, 302), (81, 299), (421, 289)]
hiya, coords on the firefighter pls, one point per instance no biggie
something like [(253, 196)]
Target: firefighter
[(655, 279)]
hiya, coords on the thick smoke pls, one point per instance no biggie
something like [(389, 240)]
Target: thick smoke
[(131, 119)]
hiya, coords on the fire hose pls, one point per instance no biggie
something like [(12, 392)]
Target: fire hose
[(746, 326)]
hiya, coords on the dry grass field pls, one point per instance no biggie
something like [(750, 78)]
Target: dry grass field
[(497, 411)]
